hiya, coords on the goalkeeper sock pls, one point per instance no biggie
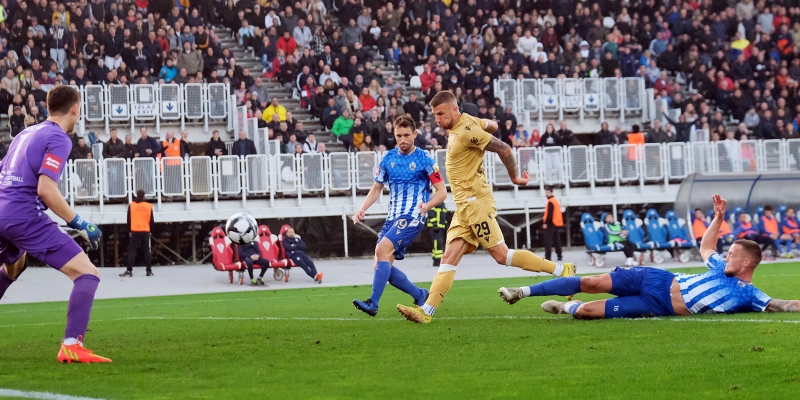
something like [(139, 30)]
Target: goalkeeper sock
[(80, 305), (382, 272), (556, 287), (441, 285), (529, 262)]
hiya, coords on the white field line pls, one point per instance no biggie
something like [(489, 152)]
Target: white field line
[(488, 317), (61, 307), (40, 395)]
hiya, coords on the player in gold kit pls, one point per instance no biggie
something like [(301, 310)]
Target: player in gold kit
[(474, 220)]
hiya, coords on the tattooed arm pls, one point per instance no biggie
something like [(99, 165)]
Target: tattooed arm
[(507, 157), (776, 305)]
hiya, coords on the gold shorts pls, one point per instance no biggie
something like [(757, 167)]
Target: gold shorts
[(475, 221)]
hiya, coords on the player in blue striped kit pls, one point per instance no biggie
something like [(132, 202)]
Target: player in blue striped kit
[(409, 171), (650, 292)]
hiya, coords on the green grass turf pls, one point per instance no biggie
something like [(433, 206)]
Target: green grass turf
[(312, 343)]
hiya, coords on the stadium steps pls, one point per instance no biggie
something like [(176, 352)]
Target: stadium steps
[(245, 58)]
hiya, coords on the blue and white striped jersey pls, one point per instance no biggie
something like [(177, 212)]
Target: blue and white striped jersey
[(408, 177), (715, 292)]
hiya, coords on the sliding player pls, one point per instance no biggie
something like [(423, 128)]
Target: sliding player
[(408, 171), (474, 221), (650, 292), (29, 177)]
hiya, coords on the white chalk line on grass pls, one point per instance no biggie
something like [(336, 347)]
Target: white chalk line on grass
[(40, 395), (61, 307), (487, 317)]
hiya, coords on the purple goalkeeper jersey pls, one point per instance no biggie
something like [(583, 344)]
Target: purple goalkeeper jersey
[(40, 149)]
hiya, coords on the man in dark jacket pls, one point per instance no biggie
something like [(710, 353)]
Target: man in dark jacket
[(414, 108), (244, 146), (250, 254), (295, 249), (147, 146), (114, 148), (216, 147)]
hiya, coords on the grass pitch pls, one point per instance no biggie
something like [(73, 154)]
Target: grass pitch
[(311, 343)]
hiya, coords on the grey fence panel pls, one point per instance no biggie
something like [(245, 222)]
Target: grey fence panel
[(87, 183), (170, 100), (604, 170), (313, 173), (628, 156), (554, 166), (366, 166), (195, 100), (530, 161), (678, 160), (172, 180), (579, 168), (339, 171), (653, 153), (217, 100), (144, 103), (114, 172), (257, 173), (200, 172), (229, 176), (94, 99), (144, 175), (287, 173), (118, 107)]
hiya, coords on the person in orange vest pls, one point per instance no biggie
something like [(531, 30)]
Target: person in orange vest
[(791, 228), (700, 225), (551, 222), (770, 229), (172, 167), (140, 221), (746, 230)]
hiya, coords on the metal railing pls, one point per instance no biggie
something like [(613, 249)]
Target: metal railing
[(154, 103), (534, 101), (343, 174)]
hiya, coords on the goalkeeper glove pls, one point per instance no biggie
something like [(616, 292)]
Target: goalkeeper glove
[(88, 230)]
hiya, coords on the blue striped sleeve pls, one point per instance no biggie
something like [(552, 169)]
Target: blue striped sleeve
[(381, 173), (760, 300)]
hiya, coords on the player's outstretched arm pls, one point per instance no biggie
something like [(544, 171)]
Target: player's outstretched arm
[(507, 157), (51, 196), (709, 243), (776, 305), (372, 196)]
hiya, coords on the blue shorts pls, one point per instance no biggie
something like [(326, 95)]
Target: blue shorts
[(401, 232), (641, 292), (40, 237)]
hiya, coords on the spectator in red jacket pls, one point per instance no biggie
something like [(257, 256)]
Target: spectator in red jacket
[(286, 43), (427, 78)]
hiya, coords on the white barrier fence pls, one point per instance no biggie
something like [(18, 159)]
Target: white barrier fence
[(534, 101), (346, 173), (154, 103)]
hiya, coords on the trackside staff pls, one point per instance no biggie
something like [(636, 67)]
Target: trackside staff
[(140, 221)]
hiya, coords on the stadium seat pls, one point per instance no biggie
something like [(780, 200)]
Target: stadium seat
[(595, 240), (679, 235), (272, 251), (224, 255), (657, 230), (419, 69), (734, 218), (780, 212), (636, 235), (415, 83)]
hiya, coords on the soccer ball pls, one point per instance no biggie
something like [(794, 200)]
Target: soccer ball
[(241, 228)]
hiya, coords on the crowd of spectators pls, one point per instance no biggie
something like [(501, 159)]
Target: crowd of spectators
[(717, 61)]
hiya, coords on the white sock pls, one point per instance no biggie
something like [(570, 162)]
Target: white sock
[(558, 270), (70, 341), (428, 309), (526, 291)]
